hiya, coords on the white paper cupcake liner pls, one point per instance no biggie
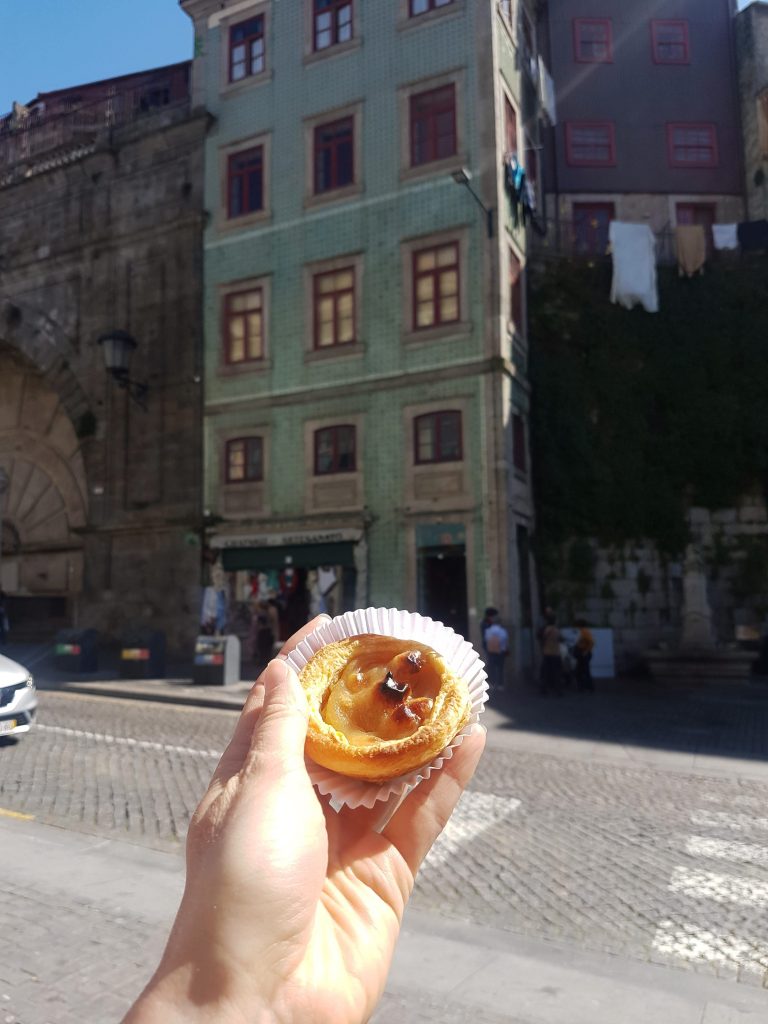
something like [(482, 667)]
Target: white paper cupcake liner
[(460, 657)]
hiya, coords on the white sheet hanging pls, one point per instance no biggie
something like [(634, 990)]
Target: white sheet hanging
[(634, 266)]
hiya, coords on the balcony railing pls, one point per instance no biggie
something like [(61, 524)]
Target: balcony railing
[(578, 240), (27, 137)]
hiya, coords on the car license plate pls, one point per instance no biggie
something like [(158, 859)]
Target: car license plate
[(7, 725)]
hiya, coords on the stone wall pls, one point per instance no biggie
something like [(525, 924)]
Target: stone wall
[(752, 58), (638, 593), (96, 238)]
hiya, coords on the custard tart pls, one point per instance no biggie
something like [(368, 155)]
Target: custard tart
[(381, 707)]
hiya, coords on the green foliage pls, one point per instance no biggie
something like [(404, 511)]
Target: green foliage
[(638, 416)]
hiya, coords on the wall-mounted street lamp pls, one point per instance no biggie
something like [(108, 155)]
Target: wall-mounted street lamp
[(118, 347), (463, 177)]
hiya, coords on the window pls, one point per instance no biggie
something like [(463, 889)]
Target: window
[(334, 155), (670, 42), (510, 127), (335, 450), (245, 460), (692, 145), (422, 6), (592, 42), (519, 455), (244, 326), (334, 308), (590, 227), (332, 23), (433, 125), (590, 143), (245, 182), (246, 49), (437, 437), (436, 286), (515, 291)]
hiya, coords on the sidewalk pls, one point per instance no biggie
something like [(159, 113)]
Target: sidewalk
[(122, 899)]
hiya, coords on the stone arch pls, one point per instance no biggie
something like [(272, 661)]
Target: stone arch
[(46, 503), (42, 342)]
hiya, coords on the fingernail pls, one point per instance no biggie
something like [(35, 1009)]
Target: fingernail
[(326, 616), (275, 673), (477, 729)]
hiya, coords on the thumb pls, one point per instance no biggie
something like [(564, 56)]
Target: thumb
[(278, 738)]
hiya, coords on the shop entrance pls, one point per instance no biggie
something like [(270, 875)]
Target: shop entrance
[(443, 585)]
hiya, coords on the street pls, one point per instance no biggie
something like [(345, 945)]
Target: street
[(609, 858)]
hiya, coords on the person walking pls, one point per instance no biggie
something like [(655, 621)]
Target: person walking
[(4, 626), (582, 652), (486, 621), (497, 648), (552, 667)]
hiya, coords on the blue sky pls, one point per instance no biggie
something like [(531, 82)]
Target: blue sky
[(50, 44)]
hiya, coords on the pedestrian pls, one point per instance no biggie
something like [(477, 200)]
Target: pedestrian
[(291, 911), (486, 621), (582, 652), (4, 623), (552, 667), (261, 636), (497, 648)]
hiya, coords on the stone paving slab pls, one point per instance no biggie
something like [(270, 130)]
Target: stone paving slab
[(79, 945)]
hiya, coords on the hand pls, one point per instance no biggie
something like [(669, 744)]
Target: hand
[(291, 911)]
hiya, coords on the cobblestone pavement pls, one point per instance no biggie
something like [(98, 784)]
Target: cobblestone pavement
[(649, 863)]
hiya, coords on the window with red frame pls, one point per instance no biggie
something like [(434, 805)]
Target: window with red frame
[(245, 460), (591, 223), (433, 125), (334, 308), (335, 450), (422, 6), (246, 49), (244, 326), (515, 291), (332, 22), (334, 155), (510, 127), (437, 437), (436, 286), (670, 42), (592, 40), (519, 454), (245, 182), (590, 143), (692, 145)]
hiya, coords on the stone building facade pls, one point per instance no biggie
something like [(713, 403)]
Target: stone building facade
[(752, 58), (382, 445), (100, 229)]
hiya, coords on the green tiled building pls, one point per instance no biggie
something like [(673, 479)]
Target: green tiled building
[(365, 391)]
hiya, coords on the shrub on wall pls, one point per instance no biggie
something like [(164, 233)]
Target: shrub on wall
[(636, 416)]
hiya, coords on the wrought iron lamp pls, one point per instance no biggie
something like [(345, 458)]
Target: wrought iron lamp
[(118, 347), (462, 176)]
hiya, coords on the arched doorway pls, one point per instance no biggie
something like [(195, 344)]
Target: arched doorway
[(44, 504)]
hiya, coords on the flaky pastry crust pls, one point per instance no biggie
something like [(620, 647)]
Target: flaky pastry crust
[(381, 707)]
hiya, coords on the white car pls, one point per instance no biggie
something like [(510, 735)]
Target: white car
[(18, 698)]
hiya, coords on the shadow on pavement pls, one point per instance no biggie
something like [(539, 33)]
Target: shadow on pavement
[(726, 719)]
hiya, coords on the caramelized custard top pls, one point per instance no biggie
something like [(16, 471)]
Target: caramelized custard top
[(385, 691)]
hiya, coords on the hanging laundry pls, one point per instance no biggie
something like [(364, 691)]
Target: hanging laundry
[(633, 247), (515, 182), (725, 236), (691, 246), (753, 235)]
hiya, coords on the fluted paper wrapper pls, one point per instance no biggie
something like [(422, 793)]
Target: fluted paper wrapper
[(459, 655)]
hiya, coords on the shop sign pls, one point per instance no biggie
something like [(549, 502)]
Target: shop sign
[(275, 540)]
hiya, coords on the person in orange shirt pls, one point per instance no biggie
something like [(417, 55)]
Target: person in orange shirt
[(582, 652)]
